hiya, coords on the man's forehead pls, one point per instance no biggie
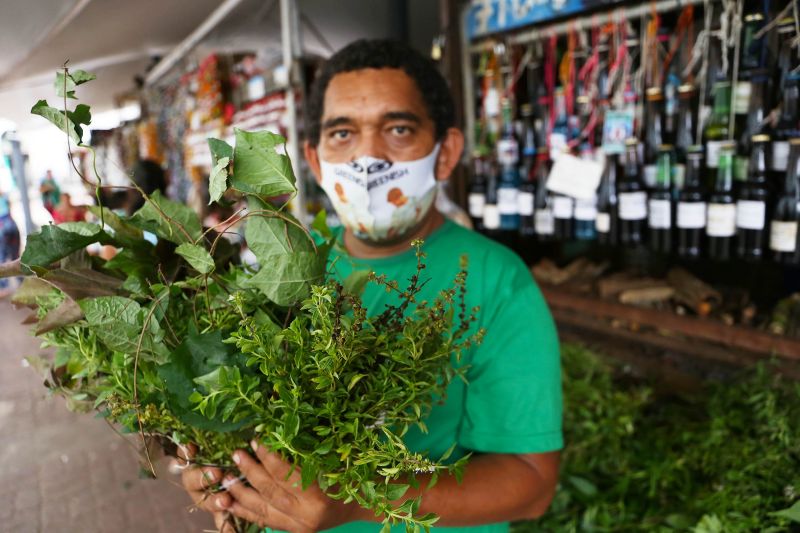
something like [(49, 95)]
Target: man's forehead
[(374, 93)]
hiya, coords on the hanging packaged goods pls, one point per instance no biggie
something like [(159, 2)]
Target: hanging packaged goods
[(688, 111)]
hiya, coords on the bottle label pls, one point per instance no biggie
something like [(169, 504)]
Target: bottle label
[(562, 206), (476, 202), (780, 155), (650, 174), (603, 222), (721, 220), (660, 214), (783, 236), (585, 209), (712, 153), (558, 145), (507, 152), (678, 175), (507, 200), (543, 222), (740, 164), (491, 103), (691, 215), (751, 214), (741, 97), (491, 217), (633, 205), (525, 204)]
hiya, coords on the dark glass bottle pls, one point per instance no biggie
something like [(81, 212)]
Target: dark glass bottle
[(477, 192), (783, 239), (653, 133), (586, 208), (691, 211), (715, 133), (753, 54), (721, 212), (751, 204), (563, 216), (787, 126), (753, 123), (508, 161), (527, 187), (491, 215), (543, 214), (607, 221), (685, 134), (632, 198), (659, 204)]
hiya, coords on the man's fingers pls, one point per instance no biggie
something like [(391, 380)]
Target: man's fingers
[(223, 523), (255, 473), (198, 479), (268, 517), (275, 465), (186, 452), (246, 496)]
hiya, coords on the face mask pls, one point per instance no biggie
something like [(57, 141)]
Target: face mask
[(379, 199)]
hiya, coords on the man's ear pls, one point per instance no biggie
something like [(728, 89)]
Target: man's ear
[(450, 153), (312, 158)]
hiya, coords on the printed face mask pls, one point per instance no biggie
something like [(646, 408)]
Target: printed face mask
[(379, 199)]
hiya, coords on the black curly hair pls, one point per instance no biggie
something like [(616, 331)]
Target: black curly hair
[(383, 53)]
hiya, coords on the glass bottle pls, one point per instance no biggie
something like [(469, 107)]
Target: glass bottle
[(508, 161), (543, 213), (607, 221), (783, 239), (632, 198), (753, 124), (716, 131), (787, 126), (751, 204), (586, 208), (721, 211), (527, 187), (476, 198), (491, 215), (653, 133), (659, 205), (684, 136), (691, 211)]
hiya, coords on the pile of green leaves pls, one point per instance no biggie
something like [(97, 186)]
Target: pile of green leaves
[(722, 460), (180, 343)]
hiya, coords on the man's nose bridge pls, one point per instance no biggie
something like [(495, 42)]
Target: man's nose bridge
[(372, 144)]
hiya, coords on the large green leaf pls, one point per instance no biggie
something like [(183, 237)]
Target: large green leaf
[(65, 83), (258, 168), (270, 235), (53, 243), (791, 513), (125, 234), (58, 118), (150, 218), (198, 355), (80, 116), (197, 256), (219, 149), (118, 322), (218, 180), (287, 278)]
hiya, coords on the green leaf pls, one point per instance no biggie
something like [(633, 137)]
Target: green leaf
[(68, 312), (291, 425), (197, 256), (30, 291), (150, 218), (81, 115), (64, 85), (83, 283), (308, 473), (219, 149), (81, 76), (287, 278), (355, 379), (125, 234), (395, 491), (53, 243), (119, 322), (218, 181), (320, 224), (584, 486), (57, 118), (268, 235), (258, 168), (354, 283), (198, 355), (791, 513)]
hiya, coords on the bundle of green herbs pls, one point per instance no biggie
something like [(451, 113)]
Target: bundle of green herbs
[(180, 343)]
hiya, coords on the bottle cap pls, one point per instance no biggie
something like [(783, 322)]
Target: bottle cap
[(753, 17), (727, 145), (582, 99), (685, 88), (760, 138), (795, 141), (695, 149), (654, 93), (665, 147), (631, 141), (526, 110)]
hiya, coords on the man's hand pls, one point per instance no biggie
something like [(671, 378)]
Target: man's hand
[(198, 481), (276, 499)]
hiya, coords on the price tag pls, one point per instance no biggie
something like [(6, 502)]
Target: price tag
[(783, 236), (575, 177)]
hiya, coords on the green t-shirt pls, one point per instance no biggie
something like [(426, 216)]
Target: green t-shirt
[(512, 402)]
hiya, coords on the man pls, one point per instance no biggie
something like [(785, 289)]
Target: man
[(381, 133)]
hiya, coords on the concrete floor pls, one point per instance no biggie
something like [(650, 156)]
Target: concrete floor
[(64, 472)]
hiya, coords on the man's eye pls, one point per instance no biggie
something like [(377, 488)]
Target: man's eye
[(401, 130), (340, 135)]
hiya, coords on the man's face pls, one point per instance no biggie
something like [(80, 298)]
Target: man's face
[(375, 112)]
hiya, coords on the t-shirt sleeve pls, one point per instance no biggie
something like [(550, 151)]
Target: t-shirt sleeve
[(513, 401)]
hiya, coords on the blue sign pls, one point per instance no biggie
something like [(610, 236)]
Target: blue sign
[(493, 16)]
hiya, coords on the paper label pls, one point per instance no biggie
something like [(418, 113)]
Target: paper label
[(660, 214), (741, 97), (507, 152), (562, 207), (491, 103), (558, 145), (678, 175), (525, 204), (617, 127), (691, 215), (507, 200), (476, 202), (543, 222), (751, 214), (586, 209), (712, 153), (603, 222), (649, 176), (721, 220), (783, 236), (780, 155), (491, 216), (633, 205), (575, 177)]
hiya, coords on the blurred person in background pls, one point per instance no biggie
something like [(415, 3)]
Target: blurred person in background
[(149, 177), (51, 192), (9, 242), (66, 212)]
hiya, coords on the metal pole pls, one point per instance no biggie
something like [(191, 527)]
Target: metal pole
[(290, 38), (18, 171), (467, 80)]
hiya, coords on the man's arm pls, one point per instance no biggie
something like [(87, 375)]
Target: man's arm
[(495, 488)]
